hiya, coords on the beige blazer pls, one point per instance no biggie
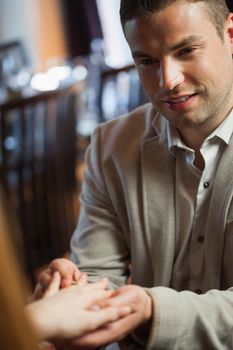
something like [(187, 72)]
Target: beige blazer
[(128, 217)]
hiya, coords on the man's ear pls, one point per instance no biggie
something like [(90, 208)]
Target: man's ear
[(229, 26)]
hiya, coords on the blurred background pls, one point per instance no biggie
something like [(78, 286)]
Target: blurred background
[(61, 29), (64, 68)]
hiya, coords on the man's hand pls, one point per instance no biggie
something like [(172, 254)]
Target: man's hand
[(69, 274), (132, 296)]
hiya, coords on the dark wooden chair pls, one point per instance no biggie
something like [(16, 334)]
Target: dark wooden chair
[(37, 170), (120, 91)]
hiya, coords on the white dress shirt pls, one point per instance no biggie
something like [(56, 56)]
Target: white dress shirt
[(193, 195)]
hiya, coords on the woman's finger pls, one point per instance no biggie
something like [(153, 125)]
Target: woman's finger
[(54, 285)]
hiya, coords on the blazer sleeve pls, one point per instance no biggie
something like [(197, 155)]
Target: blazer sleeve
[(99, 245), (184, 319)]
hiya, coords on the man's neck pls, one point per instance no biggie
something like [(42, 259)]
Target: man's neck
[(194, 139), (194, 136)]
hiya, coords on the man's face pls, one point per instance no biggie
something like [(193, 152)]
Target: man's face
[(184, 67)]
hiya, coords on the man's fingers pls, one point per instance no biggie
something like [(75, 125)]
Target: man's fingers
[(92, 296), (45, 278), (67, 269), (127, 295), (81, 280), (102, 284), (77, 275), (64, 266), (114, 331), (109, 314)]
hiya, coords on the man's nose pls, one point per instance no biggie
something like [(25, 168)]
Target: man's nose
[(170, 75)]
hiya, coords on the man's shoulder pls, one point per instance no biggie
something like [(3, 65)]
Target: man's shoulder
[(122, 138), (137, 123)]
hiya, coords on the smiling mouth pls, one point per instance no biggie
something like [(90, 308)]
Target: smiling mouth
[(178, 100), (179, 103)]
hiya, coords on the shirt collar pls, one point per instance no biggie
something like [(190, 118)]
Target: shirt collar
[(174, 140), (224, 132)]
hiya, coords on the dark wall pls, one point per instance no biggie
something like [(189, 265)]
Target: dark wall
[(82, 25)]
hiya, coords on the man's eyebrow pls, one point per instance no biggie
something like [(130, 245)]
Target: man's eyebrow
[(192, 39), (138, 54)]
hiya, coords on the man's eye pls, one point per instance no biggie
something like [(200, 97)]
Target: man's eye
[(185, 51), (147, 61)]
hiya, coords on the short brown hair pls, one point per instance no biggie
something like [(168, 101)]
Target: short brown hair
[(216, 10)]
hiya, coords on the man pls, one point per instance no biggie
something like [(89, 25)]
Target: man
[(158, 186)]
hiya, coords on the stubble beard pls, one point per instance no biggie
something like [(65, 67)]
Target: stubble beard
[(210, 113)]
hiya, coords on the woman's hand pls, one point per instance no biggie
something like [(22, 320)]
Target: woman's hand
[(73, 311)]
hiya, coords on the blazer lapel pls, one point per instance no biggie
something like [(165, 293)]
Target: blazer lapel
[(159, 210), (216, 220)]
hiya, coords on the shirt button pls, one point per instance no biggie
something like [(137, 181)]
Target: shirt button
[(201, 239), (206, 184), (198, 291)]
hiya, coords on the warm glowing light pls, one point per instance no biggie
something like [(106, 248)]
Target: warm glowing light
[(43, 82), (80, 73), (59, 73)]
